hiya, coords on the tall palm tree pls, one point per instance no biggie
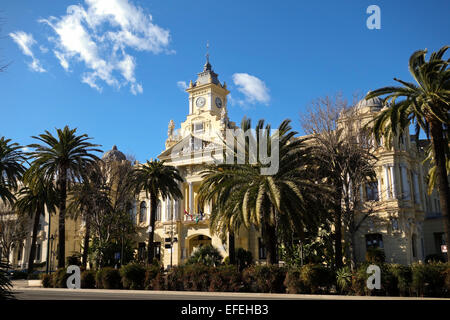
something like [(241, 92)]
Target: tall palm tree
[(11, 168), (63, 159), (426, 103), (156, 179), (242, 194), (32, 200), (83, 200)]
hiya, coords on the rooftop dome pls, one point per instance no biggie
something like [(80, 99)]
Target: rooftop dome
[(113, 155), (372, 102)]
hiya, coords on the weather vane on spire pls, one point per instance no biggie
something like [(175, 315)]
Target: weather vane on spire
[(207, 51)]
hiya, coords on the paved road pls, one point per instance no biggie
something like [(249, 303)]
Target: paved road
[(95, 294)]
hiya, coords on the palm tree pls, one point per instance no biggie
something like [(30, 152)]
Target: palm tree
[(426, 104), (241, 193), (156, 179), (63, 159), (33, 200), (83, 201), (11, 168)]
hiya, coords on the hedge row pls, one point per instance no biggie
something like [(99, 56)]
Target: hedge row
[(417, 280)]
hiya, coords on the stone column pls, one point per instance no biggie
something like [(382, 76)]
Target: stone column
[(405, 183), (416, 188), (386, 182), (393, 182), (191, 197), (380, 195)]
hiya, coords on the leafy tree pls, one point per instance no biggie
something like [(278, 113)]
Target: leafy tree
[(84, 198), (156, 179), (63, 159), (425, 103), (5, 283), (33, 199), (11, 169), (207, 255), (341, 147), (242, 194)]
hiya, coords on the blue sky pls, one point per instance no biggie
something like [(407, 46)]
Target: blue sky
[(122, 86)]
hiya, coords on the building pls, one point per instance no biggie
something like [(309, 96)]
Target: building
[(406, 222), (403, 211), (183, 221)]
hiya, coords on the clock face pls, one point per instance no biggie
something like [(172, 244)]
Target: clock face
[(200, 102), (218, 102)]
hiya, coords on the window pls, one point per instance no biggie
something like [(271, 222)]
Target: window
[(414, 245), (261, 249), (38, 252), (439, 241), (372, 191), (142, 212), (19, 254), (374, 241), (198, 127), (158, 211), (157, 250), (141, 251)]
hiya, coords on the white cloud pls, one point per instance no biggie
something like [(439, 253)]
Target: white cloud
[(182, 85), (253, 89), (99, 34), (25, 41)]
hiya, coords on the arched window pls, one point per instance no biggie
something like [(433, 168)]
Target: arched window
[(142, 212), (158, 211)]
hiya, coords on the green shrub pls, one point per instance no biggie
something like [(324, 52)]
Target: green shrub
[(59, 278), (403, 278), (244, 258), (175, 278), (429, 279), (293, 281), (436, 257), (151, 274), (197, 277), (226, 279), (159, 282), (311, 278), (264, 279), (108, 278), (88, 279), (318, 278), (133, 276), (389, 281), (46, 280), (74, 259), (344, 280), (207, 255), (375, 255)]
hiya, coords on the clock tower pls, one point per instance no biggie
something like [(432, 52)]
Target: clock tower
[(207, 94)]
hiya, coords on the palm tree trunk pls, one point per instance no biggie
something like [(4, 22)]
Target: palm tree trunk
[(231, 248), (270, 242), (151, 234), (32, 255), (439, 145), (62, 218), (87, 235)]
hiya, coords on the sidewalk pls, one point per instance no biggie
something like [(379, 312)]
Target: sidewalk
[(21, 286)]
